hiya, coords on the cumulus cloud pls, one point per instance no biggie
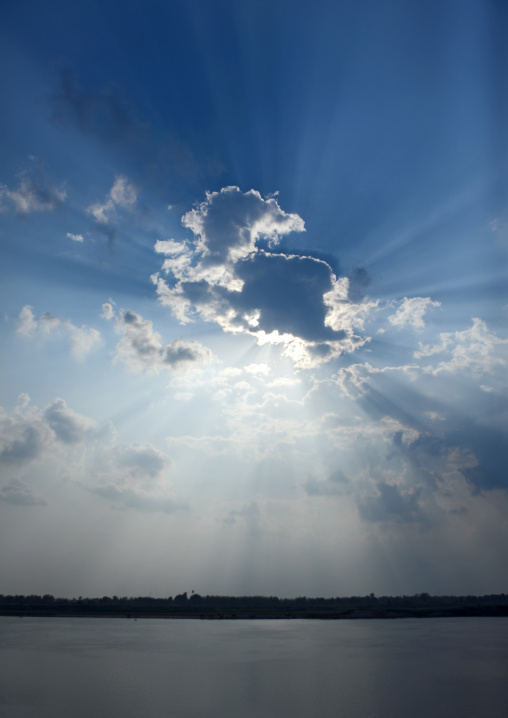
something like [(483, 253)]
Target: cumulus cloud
[(27, 433), (231, 273), (411, 312), (121, 195), (68, 426), (476, 349), (82, 339), (22, 439), (141, 347), (35, 191), (18, 493), (129, 476)]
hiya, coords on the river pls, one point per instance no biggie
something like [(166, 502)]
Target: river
[(180, 668)]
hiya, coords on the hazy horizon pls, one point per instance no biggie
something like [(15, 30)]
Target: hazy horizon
[(254, 298)]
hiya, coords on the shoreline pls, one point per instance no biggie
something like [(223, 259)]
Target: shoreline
[(355, 614)]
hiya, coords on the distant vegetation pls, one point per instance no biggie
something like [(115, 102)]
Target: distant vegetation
[(215, 607)]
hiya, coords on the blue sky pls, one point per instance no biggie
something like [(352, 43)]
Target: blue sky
[(254, 297)]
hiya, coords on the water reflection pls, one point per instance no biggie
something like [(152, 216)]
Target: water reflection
[(253, 669)]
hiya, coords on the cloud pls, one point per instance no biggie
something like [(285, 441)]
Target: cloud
[(138, 499), (141, 347), (487, 448), (122, 195), (335, 485), (229, 223), (27, 322), (22, 440), (27, 433), (75, 237), (392, 504), (411, 311), (355, 380), (60, 441), (34, 193), (108, 311), (135, 477), (102, 114), (18, 493), (230, 273), (249, 515), (82, 339), (426, 438), (476, 349), (69, 427)]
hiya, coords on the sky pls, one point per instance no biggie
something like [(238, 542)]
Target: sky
[(254, 297)]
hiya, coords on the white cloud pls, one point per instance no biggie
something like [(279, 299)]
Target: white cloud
[(34, 193), (257, 369), (411, 311), (27, 322), (169, 246), (434, 416), (108, 311), (61, 442), (229, 223), (75, 237), (231, 274), (141, 347), (475, 348), (122, 194), (82, 339), (354, 379), (68, 426)]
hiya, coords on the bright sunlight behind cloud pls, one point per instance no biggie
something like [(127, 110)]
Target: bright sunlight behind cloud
[(254, 299)]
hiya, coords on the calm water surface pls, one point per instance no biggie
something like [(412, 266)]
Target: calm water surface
[(406, 668)]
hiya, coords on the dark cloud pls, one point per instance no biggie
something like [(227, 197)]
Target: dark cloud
[(105, 114), (284, 248), (288, 292), (359, 280), (489, 446), (392, 504), (230, 274), (485, 445), (230, 222)]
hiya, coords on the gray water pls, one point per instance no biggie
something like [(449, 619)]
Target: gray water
[(410, 668)]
